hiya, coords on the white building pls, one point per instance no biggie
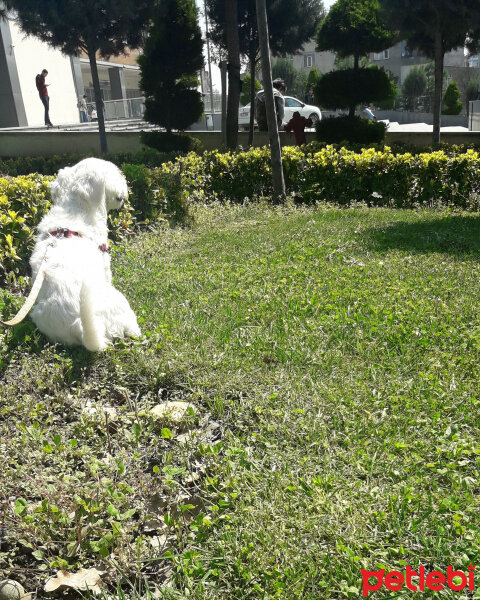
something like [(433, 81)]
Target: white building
[(22, 58)]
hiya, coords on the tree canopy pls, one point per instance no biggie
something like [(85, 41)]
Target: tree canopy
[(414, 85), (106, 27), (354, 28), (172, 56), (290, 24)]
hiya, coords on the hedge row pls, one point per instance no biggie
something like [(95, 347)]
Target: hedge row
[(339, 176), (49, 165), (334, 175)]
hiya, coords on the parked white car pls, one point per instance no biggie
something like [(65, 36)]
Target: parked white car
[(291, 105)]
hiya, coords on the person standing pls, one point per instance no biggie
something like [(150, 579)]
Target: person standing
[(43, 93), (368, 114), (297, 124), (260, 109), (82, 105)]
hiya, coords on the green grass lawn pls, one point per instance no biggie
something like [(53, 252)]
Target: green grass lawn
[(331, 357)]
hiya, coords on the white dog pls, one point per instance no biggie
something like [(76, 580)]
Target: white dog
[(77, 303)]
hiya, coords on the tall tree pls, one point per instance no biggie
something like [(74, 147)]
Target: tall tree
[(106, 27), (275, 149), (435, 27), (171, 59), (291, 24), (354, 28), (232, 42)]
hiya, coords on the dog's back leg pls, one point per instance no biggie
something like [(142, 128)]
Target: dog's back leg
[(94, 338)]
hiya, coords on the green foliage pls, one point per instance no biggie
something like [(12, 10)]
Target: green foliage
[(451, 100), (23, 202), (354, 28), (246, 83), (378, 178), (414, 85), (290, 24), (350, 87), (312, 79), (357, 130), (167, 142), (49, 165), (171, 58), (98, 25), (471, 92)]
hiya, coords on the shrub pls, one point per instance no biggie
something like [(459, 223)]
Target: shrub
[(451, 100), (356, 130), (349, 87), (50, 165), (164, 141), (23, 202)]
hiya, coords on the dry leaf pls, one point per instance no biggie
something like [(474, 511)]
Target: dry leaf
[(83, 579)]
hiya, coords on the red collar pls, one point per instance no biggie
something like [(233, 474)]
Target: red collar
[(67, 233)]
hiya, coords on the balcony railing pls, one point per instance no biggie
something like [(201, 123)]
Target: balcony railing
[(129, 108)]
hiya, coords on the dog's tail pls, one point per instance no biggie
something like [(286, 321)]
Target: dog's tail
[(93, 327)]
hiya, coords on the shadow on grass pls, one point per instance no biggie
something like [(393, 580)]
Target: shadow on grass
[(26, 339), (453, 234)]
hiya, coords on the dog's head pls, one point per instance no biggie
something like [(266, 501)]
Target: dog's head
[(92, 185)]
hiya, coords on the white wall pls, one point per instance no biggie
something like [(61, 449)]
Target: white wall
[(31, 57)]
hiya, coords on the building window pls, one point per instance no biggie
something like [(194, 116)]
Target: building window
[(384, 55), (309, 60)]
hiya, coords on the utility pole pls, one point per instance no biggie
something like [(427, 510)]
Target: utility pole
[(275, 149)]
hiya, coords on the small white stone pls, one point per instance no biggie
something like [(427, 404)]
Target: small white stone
[(11, 590), (171, 411)]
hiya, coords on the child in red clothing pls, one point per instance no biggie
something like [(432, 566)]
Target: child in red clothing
[(297, 124)]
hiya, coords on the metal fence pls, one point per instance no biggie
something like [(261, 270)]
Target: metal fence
[(129, 108)]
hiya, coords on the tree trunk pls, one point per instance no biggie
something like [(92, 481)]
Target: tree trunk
[(234, 81), (223, 79), (351, 109), (252, 58), (437, 98), (98, 100), (276, 152)]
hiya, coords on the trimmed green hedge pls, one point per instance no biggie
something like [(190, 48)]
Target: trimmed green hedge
[(49, 165), (334, 175), (329, 174)]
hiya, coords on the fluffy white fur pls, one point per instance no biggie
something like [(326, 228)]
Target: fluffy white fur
[(77, 303)]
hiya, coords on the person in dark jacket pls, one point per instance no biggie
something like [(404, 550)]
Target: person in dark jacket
[(43, 93), (297, 124)]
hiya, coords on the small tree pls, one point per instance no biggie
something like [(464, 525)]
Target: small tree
[(171, 58), (451, 100), (312, 79), (283, 68), (353, 28), (92, 26), (246, 84), (471, 93), (414, 86)]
